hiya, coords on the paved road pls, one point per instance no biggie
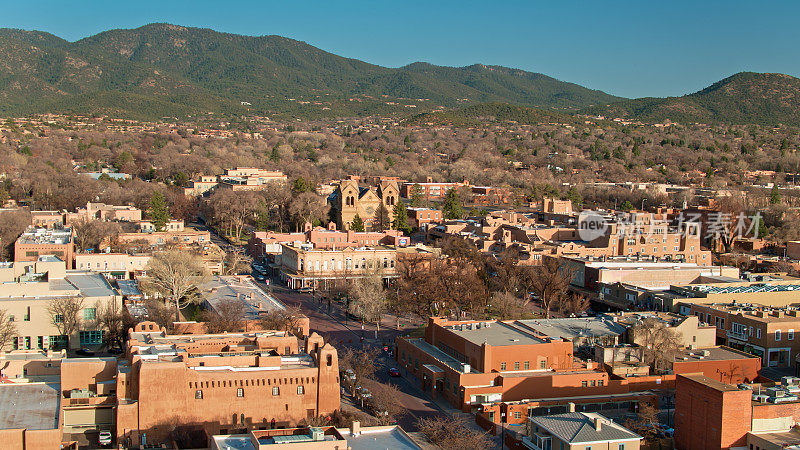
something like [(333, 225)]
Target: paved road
[(330, 322), (332, 327)]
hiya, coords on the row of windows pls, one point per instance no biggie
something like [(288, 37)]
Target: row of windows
[(592, 383), (301, 390), (251, 382), (525, 365), (42, 342)]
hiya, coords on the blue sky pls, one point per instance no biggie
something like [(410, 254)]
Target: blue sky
[(628, 48)]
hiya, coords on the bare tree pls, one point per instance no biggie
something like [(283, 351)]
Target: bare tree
[(8, 330), (575, 305), (12, 224), (307, 206), (363, 362), (386, 401), (227, 315), (236, 263), (724, 228), (452, 433), (109, 318), (506, 305), (63, 312), (549, 282), (160, 313), (368, 298), (94, 233), (646, 423), (175, 274), (660, 343), (287, 320)]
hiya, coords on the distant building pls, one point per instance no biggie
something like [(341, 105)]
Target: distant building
[(36, 242), (373, 205), (238, 179), (101, 211), (423, 218)]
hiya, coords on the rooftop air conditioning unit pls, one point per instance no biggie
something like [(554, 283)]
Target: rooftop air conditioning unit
[(316, 434)]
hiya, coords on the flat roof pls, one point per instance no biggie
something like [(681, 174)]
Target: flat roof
[(221, 289), (571, 328), (394, 438), (719, 353), (493, 333), (91, 284), (710, 382), (33, 406)]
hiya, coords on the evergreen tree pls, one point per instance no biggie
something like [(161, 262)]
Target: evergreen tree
[(401, 218), (416, 195), (452, 206), (357, 224), (158, 212), (627, 206), (774, 195)]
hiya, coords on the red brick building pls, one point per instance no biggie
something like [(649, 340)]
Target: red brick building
[(230, 383)]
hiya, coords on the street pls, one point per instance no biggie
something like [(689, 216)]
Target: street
[(332, 328)]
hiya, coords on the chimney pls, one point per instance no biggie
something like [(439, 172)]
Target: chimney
[(598, 424), (571, 407)]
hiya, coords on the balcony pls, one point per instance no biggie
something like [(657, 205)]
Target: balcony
[(743, 336)]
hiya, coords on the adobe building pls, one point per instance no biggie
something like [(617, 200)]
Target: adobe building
[(27, 290), (29, 416), (222, 384), (373, 205), (103, 212)]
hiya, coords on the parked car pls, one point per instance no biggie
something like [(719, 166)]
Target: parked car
[(104, 438), (394, 372), (84, 352), (114, 351), (305, 290)]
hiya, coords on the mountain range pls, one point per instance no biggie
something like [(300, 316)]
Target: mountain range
[(163, 70)]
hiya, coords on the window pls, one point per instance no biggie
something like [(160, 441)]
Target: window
[(240, 392), (600, 382), (517, 415), (777, 335), (758, 333), (543, 364), (59, 318), (502, 366), (300, 390), (91, 337), (790, 335), (89, 313), (584, 383), (198, 394), (527, 365), (621, 447), (516, 365), (276, 390)]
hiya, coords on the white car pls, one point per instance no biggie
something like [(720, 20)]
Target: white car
[(104, 438)]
